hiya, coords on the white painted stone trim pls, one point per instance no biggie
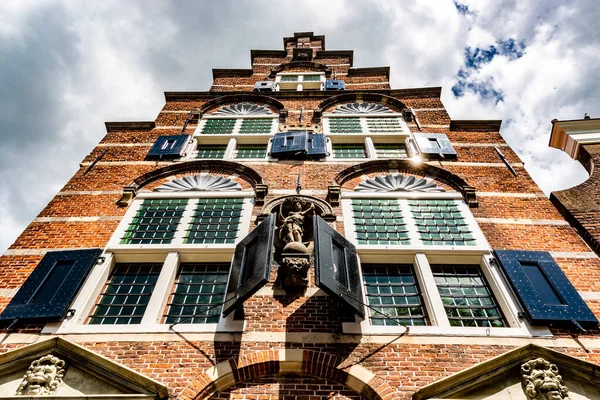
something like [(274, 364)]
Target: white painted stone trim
[(522, 221)]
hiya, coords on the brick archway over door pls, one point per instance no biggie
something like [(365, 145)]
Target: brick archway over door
[(287, 361)]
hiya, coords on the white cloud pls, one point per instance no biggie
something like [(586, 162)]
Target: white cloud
[(66, 67)]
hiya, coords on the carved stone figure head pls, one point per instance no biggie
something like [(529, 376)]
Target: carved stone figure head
[(541, 381), (43, 376)]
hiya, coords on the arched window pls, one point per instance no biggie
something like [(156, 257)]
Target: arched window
[(168, 261), (366, 131)]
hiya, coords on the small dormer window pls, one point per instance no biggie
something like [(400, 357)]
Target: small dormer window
[(300, 81)]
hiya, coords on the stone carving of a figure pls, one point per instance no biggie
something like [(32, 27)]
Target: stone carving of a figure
[(292, 229), (541, 381), (42, 377)]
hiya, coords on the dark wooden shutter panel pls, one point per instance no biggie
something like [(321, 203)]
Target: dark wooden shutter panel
[(251, 265), (435, 146), (168, 146), (316, 145), (543, 289), (52, 286), (289, 144), (336, 266)]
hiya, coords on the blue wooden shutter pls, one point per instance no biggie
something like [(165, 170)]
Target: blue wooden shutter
[(251, 265), (168, 146), (543, 289), (435, 146), (52, 286), (316, 145), (336, 266), (289, 144)]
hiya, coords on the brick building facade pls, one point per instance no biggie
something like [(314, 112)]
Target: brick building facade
[(302, 230)]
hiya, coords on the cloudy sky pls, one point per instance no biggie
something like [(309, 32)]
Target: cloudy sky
[(68, 66)]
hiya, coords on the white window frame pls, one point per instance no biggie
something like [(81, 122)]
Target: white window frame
[(206, 138), (300, 84), (421, 257), (404, 134), (170, 255)]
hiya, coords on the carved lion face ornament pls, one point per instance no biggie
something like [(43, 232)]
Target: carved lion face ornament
[(42, 377)]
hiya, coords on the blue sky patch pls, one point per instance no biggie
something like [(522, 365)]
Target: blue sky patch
[(475, 59), (462, 8)]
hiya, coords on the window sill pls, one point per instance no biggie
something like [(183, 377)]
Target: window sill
[(364, 328), (68, 327)]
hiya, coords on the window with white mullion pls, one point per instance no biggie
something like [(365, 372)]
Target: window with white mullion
[(186, 221)]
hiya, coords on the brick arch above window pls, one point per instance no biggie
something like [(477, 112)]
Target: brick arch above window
[(218, 167), (384, 167), (328, 104), (317, 364), (213, 105)]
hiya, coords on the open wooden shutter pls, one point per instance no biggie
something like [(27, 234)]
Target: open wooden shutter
[(251, 265), (435, 146), (289, 144), (316, 145), (168, 146), (543, 289), (336, 266), (52, 286)]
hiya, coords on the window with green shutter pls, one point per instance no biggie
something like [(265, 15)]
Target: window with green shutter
[(199, 289), (211, 151), (256, 125), (353, 150), (126, 294), (345, 125), (218, 126), (394, 150), (155, 222), (392, 290), (440, 222), (467, 297), (215, 221), (379, 221), (251, 151)]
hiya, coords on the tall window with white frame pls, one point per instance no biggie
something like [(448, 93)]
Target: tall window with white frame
[(237, 131), (366, 130), (169, 258), (424, 259)]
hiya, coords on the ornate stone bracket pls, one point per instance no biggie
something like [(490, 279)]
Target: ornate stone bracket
[(129, 193)]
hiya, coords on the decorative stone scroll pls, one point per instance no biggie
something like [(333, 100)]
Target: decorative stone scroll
[(243, 109), (43, 377), (362, 108), (398, 183), (199, 183), (541, 381)]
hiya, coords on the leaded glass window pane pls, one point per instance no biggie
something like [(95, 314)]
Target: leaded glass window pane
[(215, 221), (467, 297), (211, 151), (345, 125), (311, 78), (440, 222), (384, 125), (155, 222), (251, 151), (392, 290), (126, 294), (289, 78), (379, 221), (198, 287), (393, 150), (218, 126), (256, 125), (349, 151)]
